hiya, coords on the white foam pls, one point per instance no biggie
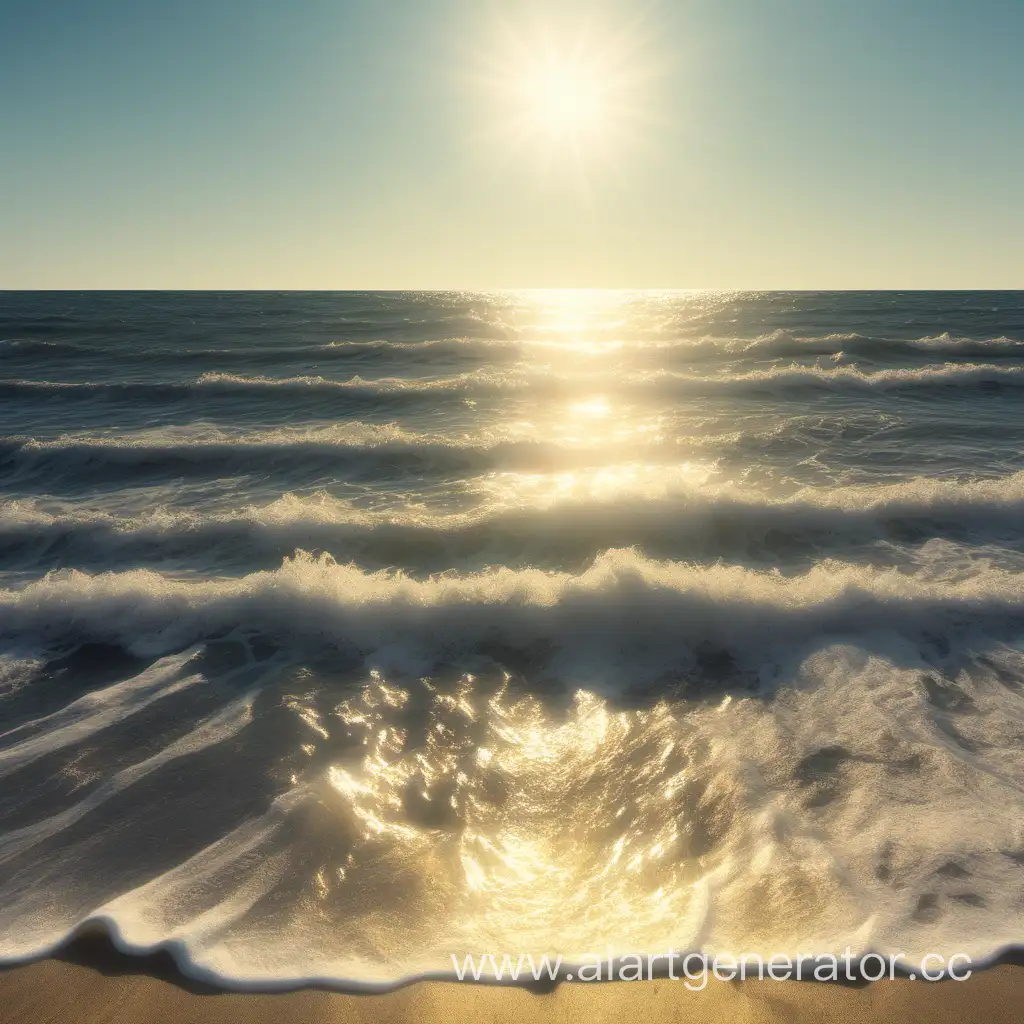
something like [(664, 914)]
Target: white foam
[(210, 435), (216, 729), (845, 377), (383, 385), (94, 712)]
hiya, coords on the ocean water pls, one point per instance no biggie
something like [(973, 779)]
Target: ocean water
[(341, 633)]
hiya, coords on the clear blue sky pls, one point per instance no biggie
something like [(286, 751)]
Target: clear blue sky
[(368, 144)]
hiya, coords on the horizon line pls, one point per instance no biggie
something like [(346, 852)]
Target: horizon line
[(502, 290)]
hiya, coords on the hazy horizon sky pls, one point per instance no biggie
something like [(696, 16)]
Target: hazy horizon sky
[(354, 145)]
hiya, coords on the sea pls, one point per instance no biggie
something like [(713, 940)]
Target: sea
[(345, 633)]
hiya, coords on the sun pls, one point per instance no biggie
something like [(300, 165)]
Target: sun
[(565, 97), (569, 99)]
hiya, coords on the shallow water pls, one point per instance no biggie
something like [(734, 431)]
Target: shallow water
[(340, 633)]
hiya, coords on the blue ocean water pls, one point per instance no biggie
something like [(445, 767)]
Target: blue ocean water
[(343, 632)]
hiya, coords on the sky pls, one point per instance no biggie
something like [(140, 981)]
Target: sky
[(394, 144)]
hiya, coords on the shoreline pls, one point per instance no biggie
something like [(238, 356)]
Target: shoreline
[(91, 981)]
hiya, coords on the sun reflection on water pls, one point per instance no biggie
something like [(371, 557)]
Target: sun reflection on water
[(520, 822), (594, 407), (504, 818), (598, 484)]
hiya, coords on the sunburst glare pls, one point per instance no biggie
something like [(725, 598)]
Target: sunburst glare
[(565, 100)]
